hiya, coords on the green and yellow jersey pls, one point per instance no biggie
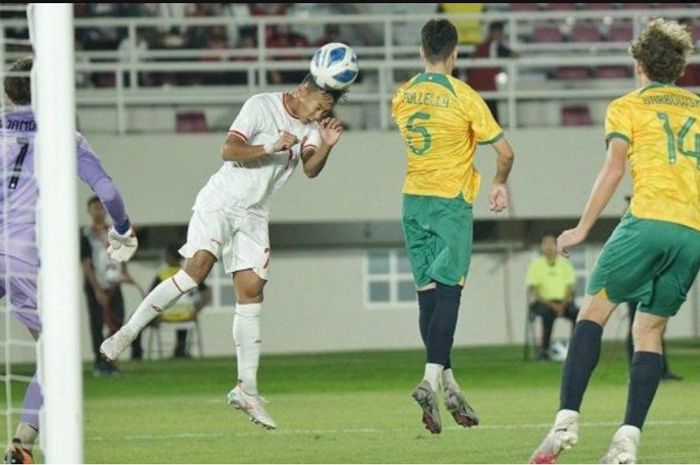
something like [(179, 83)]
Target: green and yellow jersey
[(660, 123), (441, 119)]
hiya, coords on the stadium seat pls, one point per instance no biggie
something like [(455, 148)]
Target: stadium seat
[(598, 6), (547, 34), (524, 6), (585, 33), (621, 32), (191, 121), (561, 6), (194, 336), (576, 115), (612, 72), (566, 73)]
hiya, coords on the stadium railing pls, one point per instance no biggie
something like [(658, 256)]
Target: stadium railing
[(380, 64)]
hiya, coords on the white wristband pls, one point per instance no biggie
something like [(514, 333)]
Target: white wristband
[(269, 148)]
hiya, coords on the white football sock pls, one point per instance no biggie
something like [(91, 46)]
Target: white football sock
[(448, 378), (432, 374), (160, 298), (246, 335)]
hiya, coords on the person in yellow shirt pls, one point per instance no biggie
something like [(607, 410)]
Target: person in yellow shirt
[(441, 119), (653, 256), (550, 281)]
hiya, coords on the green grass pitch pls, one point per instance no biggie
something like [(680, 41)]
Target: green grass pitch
[(355, 407)]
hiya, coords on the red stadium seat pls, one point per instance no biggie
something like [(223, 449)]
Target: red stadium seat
[(585, 33), (598, 6), (547, 34), (621, 33), (612, 72), (524, 6), (572, 73), (576, 115), (191, 121), (560, 6)]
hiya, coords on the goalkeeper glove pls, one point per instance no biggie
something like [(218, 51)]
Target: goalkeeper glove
[(122, 246)]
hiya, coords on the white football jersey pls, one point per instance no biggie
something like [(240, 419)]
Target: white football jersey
[(249, 186)]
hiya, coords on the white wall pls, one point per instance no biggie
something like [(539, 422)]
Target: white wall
[(315, 302), (160, 176)]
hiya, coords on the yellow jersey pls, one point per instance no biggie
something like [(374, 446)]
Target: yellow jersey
[(660, 124), (552, 281), (441, 119)]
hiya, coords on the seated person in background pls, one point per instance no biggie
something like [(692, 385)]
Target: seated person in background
[(550, 281), (188, 306)]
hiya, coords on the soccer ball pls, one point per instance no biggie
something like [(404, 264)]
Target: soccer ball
[(334, 66), (558, 350)]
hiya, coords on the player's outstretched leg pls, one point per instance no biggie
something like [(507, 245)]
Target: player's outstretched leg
[(246, 335), (455, 402), (163, 296)]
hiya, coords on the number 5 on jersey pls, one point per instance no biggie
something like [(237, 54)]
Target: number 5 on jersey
[(419, 131)]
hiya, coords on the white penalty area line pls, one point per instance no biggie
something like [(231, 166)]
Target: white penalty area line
[(307, 432)]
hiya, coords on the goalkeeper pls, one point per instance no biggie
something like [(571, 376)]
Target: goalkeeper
[(19, 258)]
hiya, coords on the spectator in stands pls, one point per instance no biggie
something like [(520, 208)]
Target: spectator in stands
[(268, 9), (218, 40), (468, 30), (103, 279), (550, 280), (248, 38), (282, 36), (125, 50), (691, 77), (484, 79)]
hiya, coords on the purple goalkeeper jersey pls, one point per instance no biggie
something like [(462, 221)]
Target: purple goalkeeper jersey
[(19, 190)]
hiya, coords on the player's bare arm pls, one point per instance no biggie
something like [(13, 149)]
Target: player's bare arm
[(314, 159), (605, 186), (236, 149), (498, 197)]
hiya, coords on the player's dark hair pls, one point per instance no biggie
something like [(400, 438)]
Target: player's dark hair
[(92, 200), (19, 88), (335, 94), (439, 39), (662, 50)]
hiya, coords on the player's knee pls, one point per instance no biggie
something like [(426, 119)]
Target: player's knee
[(199, 266), (647, 332), (250, 292), (250, 296)]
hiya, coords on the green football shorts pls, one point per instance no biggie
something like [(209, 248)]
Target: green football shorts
[(647, 261), (438, 235)]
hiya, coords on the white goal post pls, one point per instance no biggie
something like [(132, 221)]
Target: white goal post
[(60, 368)]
